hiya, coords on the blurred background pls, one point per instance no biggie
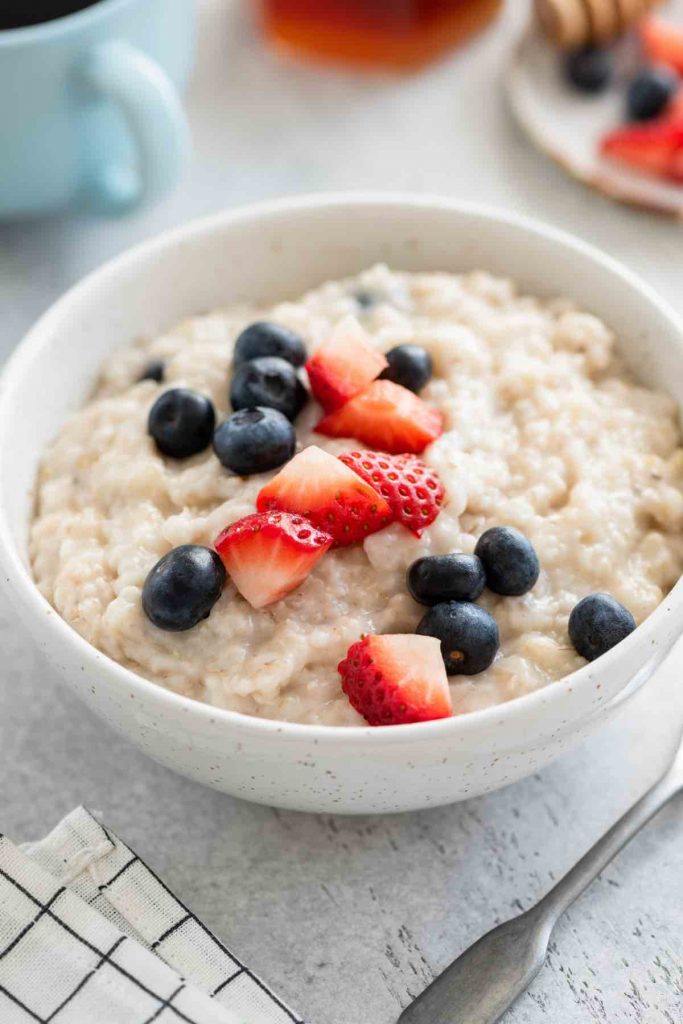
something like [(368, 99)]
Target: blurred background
[(266, 124)]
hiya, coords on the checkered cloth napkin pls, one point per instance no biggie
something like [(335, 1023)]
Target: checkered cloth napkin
[(89, 935)]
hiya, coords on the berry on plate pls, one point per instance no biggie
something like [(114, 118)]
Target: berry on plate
[(268, 554), (468, 634), (410, 366), (267, 339), (650, 92), (343, 365), (318, 486), (663, 42), (412, 489), (597, 624), (254, 441), (269, 382), (181, 421), (183, 587), (589, 69), (509, 559), (436, 578), (396, 679), (655, 148), (386, 416)]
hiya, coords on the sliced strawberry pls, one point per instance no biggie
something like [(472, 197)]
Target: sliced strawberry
[(269, 554), (394, 680), (412, 489), (344, 365), (655, 148), (316, 485), (386, 416), (663, 42)]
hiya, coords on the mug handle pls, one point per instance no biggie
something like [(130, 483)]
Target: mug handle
[(155, 117)]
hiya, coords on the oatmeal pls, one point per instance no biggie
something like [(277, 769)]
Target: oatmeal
[(544, 431)]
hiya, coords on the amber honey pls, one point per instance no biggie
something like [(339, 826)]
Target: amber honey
[(398, 34)]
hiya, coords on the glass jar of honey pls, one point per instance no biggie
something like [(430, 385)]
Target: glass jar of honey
[(394, 34)]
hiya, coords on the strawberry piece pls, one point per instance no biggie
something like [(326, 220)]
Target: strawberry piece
[(386, 416), (412, 489), (318, 486), (655, 148), (344, 365), (267, 555), (663, 42), (394, 680)]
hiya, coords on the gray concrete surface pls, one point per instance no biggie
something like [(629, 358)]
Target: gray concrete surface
[(349, 918)]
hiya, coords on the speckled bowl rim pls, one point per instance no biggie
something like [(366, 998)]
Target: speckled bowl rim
[(17, 573)]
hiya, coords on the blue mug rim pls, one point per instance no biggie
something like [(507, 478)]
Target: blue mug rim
[(64, 24)]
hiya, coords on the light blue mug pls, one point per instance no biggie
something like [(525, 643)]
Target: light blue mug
[(89, 107)]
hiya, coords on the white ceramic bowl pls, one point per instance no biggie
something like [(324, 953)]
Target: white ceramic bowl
[(265, 253)]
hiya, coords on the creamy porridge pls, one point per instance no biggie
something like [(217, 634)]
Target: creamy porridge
[(543, 431)]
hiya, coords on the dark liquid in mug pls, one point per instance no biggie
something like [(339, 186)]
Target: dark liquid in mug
[(20, 13)]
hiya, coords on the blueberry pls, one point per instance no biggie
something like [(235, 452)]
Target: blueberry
[(183, 587), (410, 366), (154, 370), (598, 623), (468, 634), (366, 300), (181, 422), (649, 92), (269, 382), (437, 578), (510, 562), (266, 339), (254, 441), (589, 69)]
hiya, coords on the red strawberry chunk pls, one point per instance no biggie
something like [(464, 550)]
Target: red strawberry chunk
[(386, 416), (344, 365), (412, 489), (394, 680), (269, 554), (663, 42), (655, 148), (318, 486)]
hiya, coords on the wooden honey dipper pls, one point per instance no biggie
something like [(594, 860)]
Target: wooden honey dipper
[(572, 23)]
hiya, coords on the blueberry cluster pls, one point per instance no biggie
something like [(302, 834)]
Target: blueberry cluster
[(505, 561), (266, 394), (592, 69)]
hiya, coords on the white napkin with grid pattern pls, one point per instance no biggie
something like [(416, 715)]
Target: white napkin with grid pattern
[(89, 934)]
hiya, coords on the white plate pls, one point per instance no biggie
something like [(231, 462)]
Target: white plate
[(568, 125)]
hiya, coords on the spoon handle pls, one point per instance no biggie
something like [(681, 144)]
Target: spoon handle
[(485, 980), (578, 878)]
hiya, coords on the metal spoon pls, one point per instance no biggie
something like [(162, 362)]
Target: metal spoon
[(485, 980)]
